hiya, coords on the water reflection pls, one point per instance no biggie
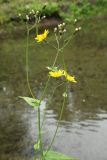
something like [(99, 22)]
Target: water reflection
[(83, 126)]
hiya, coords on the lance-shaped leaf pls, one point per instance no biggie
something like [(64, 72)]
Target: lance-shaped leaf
[(32, 101), (52, 155)]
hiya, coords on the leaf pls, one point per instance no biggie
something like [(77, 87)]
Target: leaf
[(54, 69), (51, 155), (37, 145), (31, 101)]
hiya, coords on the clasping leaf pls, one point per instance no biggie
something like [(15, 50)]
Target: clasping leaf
[(32, 101)]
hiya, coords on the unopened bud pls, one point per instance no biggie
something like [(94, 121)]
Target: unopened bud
[(76, 29), (37, 12), (75, 20), (63, 24), (27, 17), (55, 29), (79, 28), (19, 14), (60, 26), (64, 31), (43, 17), (33, 11)]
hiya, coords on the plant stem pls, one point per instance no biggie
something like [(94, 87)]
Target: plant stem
[(39, 135), (53, 139), (49, 103), (27, 64), (57, 50)]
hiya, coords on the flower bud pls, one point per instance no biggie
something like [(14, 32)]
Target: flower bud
[(33, 11), (55, 29), (60, 26), (63, 24), (75, 20), (79, 28), (43, 17), (76, 29), (19, 14), (27, 17), (64, 31), (37, 12)]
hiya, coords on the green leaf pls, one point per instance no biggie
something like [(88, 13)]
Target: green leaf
[(37, 145), (31, 101), (51, 155), (54, 69)]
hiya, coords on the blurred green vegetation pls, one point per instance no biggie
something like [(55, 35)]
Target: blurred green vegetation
[(66, 9)]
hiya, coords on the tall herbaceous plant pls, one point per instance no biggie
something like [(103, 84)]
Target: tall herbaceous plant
[(54, 72)]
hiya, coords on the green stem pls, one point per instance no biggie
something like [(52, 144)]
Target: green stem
[(53, 139), (46, 86), (27, 64), (62, 108), (39, 135), (39, 118), (51, 44), (68, 41), (27, 75), (49, 103), (58, 50)]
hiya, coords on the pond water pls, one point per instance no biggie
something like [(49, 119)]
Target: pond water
[(83, 128)]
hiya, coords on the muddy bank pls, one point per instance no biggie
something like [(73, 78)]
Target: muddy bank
[(17, 29)]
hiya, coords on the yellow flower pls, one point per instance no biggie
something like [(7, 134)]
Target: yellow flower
[(42, 37), (70, 78), (56, 74), (60, 73)]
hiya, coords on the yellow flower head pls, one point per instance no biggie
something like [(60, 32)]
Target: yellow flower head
[(60, 72), (42, 37), (70, 78), (57, 74)]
